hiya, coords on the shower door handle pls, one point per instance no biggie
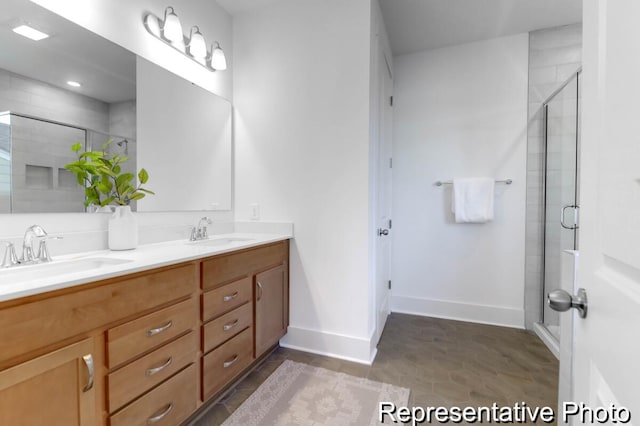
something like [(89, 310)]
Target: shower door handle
[(561, 301), (575, 216)]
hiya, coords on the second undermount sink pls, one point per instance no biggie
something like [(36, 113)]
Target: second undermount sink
[(60, 267), (214, 242)]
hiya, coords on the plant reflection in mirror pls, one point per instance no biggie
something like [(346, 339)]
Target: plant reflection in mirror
[(102, 177)]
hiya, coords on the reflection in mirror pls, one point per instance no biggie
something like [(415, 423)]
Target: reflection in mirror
[(186, 148), (44, 115), (179, 132)]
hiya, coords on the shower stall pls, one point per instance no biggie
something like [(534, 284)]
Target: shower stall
[(561, 194), (33, 153)]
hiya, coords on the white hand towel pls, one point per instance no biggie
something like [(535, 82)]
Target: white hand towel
[(472, 200)]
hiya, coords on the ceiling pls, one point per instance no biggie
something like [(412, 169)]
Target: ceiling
[(107, 71), (234, 7), (416, 25)]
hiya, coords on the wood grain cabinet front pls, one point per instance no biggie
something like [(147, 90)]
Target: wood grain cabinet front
[(271, 301), (135, 337), (223, 364), (132, 380), (54, 389), (168, 404)]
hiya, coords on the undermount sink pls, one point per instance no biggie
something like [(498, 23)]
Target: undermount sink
[(220, 241), (60, 267)]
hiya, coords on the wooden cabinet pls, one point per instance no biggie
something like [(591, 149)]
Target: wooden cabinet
[(271, 301), (245, 311), (158, 344), (57, 388)]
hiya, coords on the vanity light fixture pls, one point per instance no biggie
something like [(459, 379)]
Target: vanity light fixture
[(194, 47), (30, 32), (74, 83)]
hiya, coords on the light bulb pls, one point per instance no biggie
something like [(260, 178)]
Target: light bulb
[(218, 61), (197, 45), (171, 28)]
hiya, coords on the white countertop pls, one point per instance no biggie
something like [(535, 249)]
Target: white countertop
[(20, 281)]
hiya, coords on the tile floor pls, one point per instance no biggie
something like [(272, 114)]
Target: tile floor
[(443, 362)]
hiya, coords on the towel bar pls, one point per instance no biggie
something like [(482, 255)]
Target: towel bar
[(448, 182)]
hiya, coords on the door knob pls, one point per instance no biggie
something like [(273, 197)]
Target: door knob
[(383, 232), (561, 301)]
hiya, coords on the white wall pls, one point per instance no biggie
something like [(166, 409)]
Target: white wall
[(121, 22), (301, 92), (460, 112)]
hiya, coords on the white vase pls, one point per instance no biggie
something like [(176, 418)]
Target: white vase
[(123, 229)]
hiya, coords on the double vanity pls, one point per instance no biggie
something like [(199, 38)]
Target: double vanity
[(139, 337)]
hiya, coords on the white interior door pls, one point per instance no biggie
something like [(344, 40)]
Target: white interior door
[(383, 190), (606, 345)]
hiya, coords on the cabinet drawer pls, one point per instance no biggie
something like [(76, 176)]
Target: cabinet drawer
[(227, 326), (176, 399), (29, 326), (222, 365), (136, 378), (135, 337), (222, 269), (223, 299)]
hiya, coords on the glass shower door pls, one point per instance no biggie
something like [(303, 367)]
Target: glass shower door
[(561, 188)]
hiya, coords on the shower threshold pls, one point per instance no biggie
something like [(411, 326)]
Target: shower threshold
[(549, 336)]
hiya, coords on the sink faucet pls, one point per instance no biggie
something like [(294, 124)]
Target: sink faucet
[(35, 233), (10, 257), (200, 232)]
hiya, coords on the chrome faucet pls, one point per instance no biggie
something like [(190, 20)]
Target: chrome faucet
[(200, 232), (10, 257), (35, 233)]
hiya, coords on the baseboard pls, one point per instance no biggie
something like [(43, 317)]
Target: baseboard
[(483, 314), (348, 348)]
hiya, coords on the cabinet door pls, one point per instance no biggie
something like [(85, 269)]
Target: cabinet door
[(271, 309), (54, 389)]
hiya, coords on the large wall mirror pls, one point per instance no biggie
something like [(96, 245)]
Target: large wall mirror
[(177, 131)]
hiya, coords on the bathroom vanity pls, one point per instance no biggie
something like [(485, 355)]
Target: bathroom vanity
[(149, 346)]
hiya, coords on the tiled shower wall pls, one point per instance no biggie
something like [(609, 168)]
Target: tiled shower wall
[(554, 54)]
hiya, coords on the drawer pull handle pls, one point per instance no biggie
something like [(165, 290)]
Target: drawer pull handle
[(88, 361), (229, 363), (259, 290), (230, 325), (230, 297), (155, 331), (156, 419), (152, 371)]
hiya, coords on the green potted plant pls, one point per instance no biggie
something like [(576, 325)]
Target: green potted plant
[(106, 184)]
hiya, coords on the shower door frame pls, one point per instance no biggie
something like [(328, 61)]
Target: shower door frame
[(545, 105)]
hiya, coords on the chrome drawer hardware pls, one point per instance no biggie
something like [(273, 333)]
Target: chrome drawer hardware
[(155, 331), (156, 419), (229, 363), (230, 325), (152, 371), (230, 297), (88, 362), (259, 290)]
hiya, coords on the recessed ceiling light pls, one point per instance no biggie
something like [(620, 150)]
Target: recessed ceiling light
[(30, 32), (73, 83)]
